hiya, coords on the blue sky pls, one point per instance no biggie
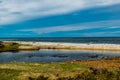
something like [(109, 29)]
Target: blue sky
[(59, 18)]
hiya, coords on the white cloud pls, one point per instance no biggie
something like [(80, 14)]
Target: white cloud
[(12, 11), (83, 26)]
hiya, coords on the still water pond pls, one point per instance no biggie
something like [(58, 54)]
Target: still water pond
[(54, 55)]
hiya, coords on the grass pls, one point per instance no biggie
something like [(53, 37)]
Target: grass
[(10, 74), (56, 71), (8, 46), (35, 70), (45, 67)]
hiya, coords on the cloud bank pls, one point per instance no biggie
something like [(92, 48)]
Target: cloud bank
[(12, 11)]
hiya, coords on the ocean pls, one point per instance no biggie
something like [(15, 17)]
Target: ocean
[(108, 40)]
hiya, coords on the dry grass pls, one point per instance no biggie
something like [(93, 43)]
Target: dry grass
[(111, 63)]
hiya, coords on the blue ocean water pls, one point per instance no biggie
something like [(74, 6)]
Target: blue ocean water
[(108, 40)]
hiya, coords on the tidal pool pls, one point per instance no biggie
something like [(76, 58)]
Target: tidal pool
[(45, 55)]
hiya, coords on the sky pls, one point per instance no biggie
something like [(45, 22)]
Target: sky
[(59, 18)]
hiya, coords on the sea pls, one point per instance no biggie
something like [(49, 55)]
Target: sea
[(50, 55), (99, 40)]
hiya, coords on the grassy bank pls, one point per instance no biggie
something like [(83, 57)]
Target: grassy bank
[(108, 69), (8, 46)]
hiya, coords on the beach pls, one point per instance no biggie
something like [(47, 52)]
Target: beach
[(69, 46)]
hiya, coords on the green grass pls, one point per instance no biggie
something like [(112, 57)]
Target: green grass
[(45, 67), (24, 71), (8, 46), (10, 74), (55, 71)]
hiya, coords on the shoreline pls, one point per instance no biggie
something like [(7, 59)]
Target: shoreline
[(68, 46)]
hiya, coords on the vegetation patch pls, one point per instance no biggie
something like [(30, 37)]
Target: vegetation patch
[(8, 46), (58, 71), (8, 74)]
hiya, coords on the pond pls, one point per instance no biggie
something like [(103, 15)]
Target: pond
[(44, 55)]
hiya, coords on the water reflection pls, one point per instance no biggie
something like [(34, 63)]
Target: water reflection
[(54, 55)]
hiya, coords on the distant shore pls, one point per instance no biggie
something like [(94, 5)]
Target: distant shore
[(68, 46)]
